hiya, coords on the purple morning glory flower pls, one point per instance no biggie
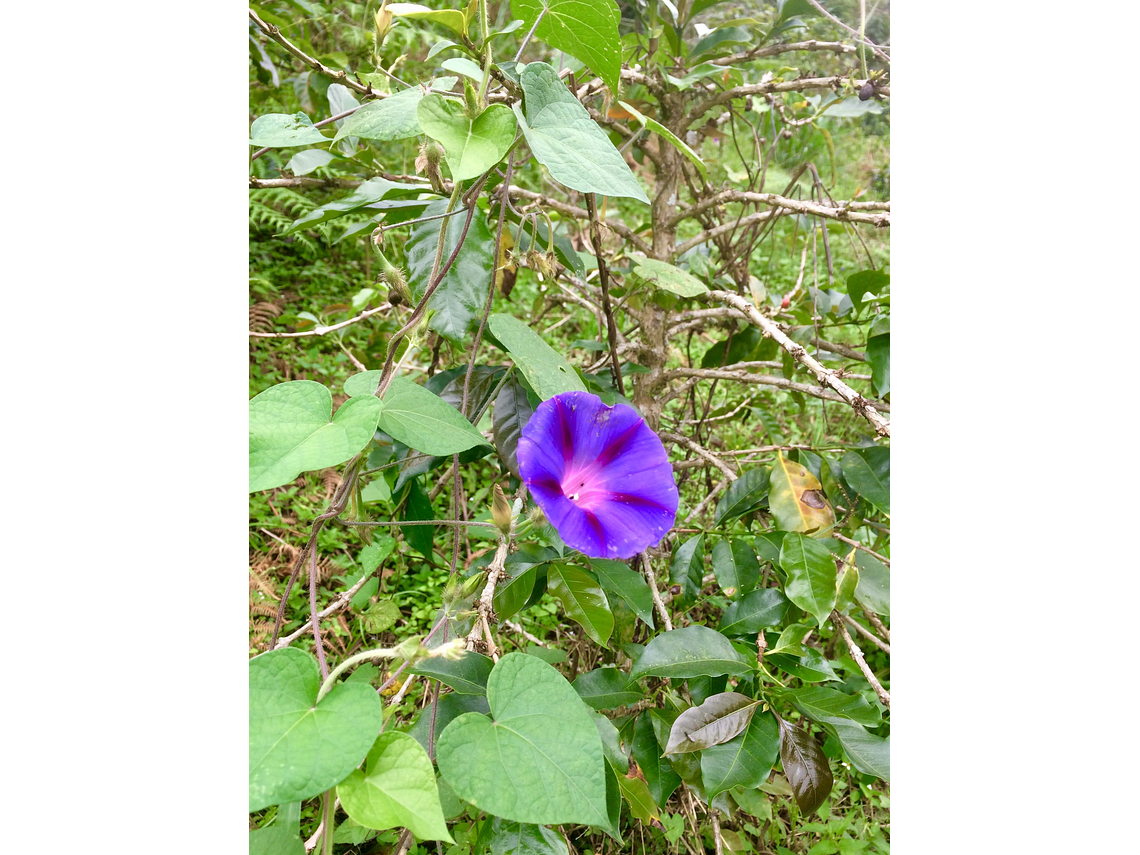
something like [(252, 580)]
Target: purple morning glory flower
[(599, 474)]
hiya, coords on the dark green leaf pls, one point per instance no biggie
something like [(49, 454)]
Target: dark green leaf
[(606, 688), (583, 600), (745, 760), (722, 38), (736, 568), (690, 652), (740, 349), (703, 688), (805, 767), (449, 708), (717, 720), (611, 743), (460, 296), (811, 667), (811, 575), (688, 569), (868, 753), (418, 507), (828, 706), (754, 611), (743, 495), (863, 282), (368, 193), (466, 675), (512, 412), (873, 482), (659, 775), (619, 579)]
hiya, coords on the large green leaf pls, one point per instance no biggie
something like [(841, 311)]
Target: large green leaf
[(872, 483), (512, 412), (745, 760), (423, 421), (275, 841), (688, 569), (717, 720), (662, 131), (368, 193), (827, 706), (453, 19), (805, 767), (471, 145), (393, 118), (811, 575), (868, 753), (754, 611), (297, 747), (460, 296), (743, 495), (292, 430), (450, 707), (467, 675), (278, 130), (566, 140), (874, 588), (606, 688), (659, 775), (521, 838), (796, 498), (585, 29), (735, 565), (617, 578), (693, 651), (879, 358), (583, 600), (397, 788), (665, 276), (542, 366), (539, 761), (859, 284)]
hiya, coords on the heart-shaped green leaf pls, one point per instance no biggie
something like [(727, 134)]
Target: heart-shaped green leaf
[(396, 788), (297, 747), (585, 29), (693, 651), (472, 146), (583, 600), (566, 140), (292, 430), (717, 720), (538, 759)]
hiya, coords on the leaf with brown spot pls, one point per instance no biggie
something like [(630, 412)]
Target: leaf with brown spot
[(796, 498)]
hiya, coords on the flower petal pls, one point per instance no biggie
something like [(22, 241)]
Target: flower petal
[(599, 474)]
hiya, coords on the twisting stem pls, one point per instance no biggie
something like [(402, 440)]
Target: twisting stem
[(604, 280), (313, 612)]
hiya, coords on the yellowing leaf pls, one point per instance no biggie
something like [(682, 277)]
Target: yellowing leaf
[(796, 498)]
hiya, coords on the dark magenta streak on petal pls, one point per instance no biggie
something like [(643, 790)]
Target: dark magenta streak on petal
[(615, 444), (597, 527), (562, 418), (642, 501)]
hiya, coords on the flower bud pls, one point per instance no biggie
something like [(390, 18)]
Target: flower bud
[(383, 19), (431, 153), (501, 511), (471, 98), (536, 516)]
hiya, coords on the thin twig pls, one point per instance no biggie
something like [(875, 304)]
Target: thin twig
[(858, 545), (857, 655)]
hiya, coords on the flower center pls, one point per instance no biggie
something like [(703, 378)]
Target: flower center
[(580, 485)]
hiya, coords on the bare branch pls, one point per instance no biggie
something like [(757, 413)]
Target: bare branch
[(857, 655), (321, 330), (802, 84), (700, 451)]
